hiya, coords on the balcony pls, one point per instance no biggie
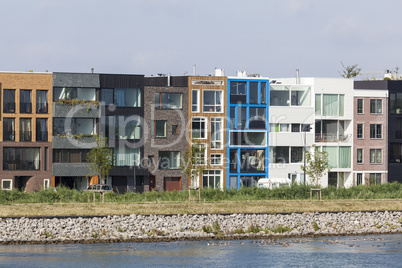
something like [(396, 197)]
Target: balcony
[(9, 107), (332, 137), (72, 142), (89, 109)]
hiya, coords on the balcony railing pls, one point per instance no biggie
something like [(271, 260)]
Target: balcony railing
[(331, 137), (9, 107), (41, 108), (26, 108), (21, 165), (25, 136), (41, 135)]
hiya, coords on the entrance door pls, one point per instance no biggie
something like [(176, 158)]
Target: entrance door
[(172, 184)]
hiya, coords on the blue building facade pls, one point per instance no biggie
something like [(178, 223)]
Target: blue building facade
[(247, 139)]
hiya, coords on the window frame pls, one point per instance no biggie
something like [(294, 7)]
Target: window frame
[(161, 106), (214, 174), (202, 131), (362, 156), (7, 93), (6, 180), (197, 103), (360, 137), (375, 101), (170, 152), (164, 127), (376, 150), (360, 110), (215, 157), (219, 121), (218, 106), (375, 128)]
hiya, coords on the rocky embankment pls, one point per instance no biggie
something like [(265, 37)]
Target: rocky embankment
[(145, 228)]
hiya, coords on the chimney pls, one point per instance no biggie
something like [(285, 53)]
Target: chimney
[(297, 77), (194, 70), (168, 79), (92, 70)]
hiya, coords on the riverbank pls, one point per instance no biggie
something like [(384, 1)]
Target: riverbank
[(147, 228)]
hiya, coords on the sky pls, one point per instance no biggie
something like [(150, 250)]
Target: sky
[(269, 37)]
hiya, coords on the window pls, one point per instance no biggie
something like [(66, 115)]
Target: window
[(200, 153), (395, 103), (168, 100), (25, 129), (359, 178), (6, 184), (375, 131), (216, 160), (375, 156), (398, 129), (127, 127), (70, 155), (41, 102), (70, 93), (9, 101), (283, 95), (127, 97), (169, 160), (247, 138), (253, 97), (46, 158), (212, 179), (359, 106), (252, 160), (257, 118), (160, 129), (238, 92), (8, 129), (279, 154), (249, 181), (151, 160), (360, 156), (278, 127), (125, 156), (376, 106), (234, 160), (41, 129), (360, 131), (25, 101), (375, 178), (395, 152), (21, 158), (175, 129), (46, 183), (295, 127), (198, 128), (216, 133), (107, 96), (296, 154), (345, 157), (263, 94), (212, 101), (195, 108), (317, 104)]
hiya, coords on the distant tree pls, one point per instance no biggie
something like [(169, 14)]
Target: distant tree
[(194, 164), (100, 159), (317, 165), (350, 71)]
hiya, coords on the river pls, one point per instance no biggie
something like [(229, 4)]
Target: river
[(336, 251)]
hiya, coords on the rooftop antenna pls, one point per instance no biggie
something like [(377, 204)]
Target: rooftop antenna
[(194, 69), (92, 70)]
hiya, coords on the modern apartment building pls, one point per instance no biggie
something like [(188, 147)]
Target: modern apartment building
[(166, 113), (370, 159), (247, 130), (26, 130), (300, 107), (207, 120)]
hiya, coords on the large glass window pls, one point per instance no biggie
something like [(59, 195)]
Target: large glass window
[(395, 103), (376, 106), (279, 154), (375, 178), (257, 118), (332, 155), (21, 158), (395, 152), (253, 97), (296, 154), (212, 101), (375, 156), (85, 126), (317, 104), (9, 101), (127, 127), (252, 160), (243, 138), (241, 117), (127, 97), (249, 181), (238, 92), (212, 179), (195, 101), (330, 107), (263, 95), (344, 157), (70, 155), (41, 102), (234, 160), (41, 129), (70, 93), (8, 129), (375, 131), (25, 129), (107, 96), (216, 133), (168, 100), (125, 156), (169, 160), (25, 101), (198, 128)]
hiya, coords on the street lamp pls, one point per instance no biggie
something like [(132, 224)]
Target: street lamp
[(306, 128)]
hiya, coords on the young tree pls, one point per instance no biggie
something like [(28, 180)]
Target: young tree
[(194, 164), (350, 71), (317, 165), (100, 159)]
